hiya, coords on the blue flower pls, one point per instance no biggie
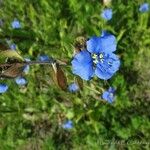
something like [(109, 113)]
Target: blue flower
[(15, 24), (98, 59), (43, 58), (27, 67), (144, 7), (109, 95), (3, 88), (107, 14), (21, 81), (68, 125), (73, 87), (13, 46)]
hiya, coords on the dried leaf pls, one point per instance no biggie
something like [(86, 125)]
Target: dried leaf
[(14, 71), (79, 81), (60, 77), (3, 47), (80, 44)]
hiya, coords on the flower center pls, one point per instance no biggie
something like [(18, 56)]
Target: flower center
[(101, 58), (98, 58)]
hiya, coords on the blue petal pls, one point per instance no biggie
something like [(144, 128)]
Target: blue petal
[(73, 87), (107, 43), (106, 68), (144, 7), (102, 73), (107, 14), (43, 58), (104, 33), (16, 24), (27, 67), (68, 125), (93, 45), (111, 90), (83, 57), (82, 65), (21, 81), (13, 46), (108, 96), (3, 88), (85, 71)]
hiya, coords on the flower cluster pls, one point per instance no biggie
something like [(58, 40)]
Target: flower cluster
[(97, 59)]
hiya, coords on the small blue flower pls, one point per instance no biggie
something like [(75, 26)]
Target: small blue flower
[(68, 125), (144, 7), (15, 24), (73, 87), (13, 46), (21, 81), (27, 67), (43, 58), (107, 14), (3, 88), (109, 95)]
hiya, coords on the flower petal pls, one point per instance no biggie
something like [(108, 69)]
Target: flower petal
[(102, 73), (82, 65), (93, 45), (144, 7), (43, 58), (85, 71), (21, 81), (107, 14), (111, 90), (15, 24), (108, 96), (3, 88), (68, 125), (83, 57), (73, 87), (108, 66), (107, 43)]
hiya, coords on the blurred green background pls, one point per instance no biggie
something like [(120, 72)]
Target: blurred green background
[(31, 117)]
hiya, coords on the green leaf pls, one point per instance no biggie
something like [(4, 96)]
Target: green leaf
[(10, 54)]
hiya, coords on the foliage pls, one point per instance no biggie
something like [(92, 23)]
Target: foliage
[(32, 116)]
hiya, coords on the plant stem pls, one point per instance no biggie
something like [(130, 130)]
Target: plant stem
[(32, 63)]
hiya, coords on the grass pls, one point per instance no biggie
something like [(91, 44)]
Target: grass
[(31, 116)]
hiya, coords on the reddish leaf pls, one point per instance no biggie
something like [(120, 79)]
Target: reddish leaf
[(60, 77)]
